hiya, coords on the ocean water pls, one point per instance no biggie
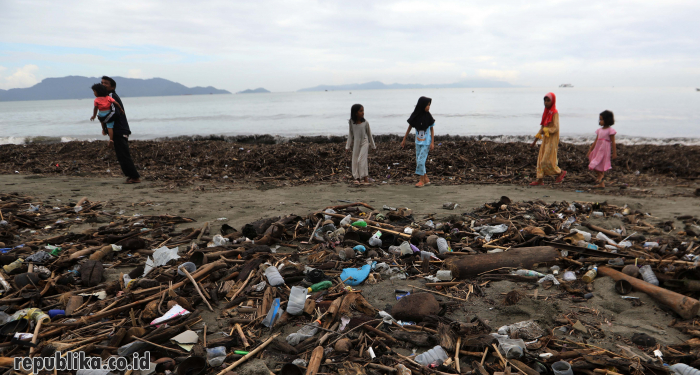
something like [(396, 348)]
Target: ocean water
[(643, 115)]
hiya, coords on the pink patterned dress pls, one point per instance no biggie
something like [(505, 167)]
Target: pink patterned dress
[(600, 156)]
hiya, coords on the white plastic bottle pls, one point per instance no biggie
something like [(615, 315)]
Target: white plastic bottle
[(648, 275), (442, 245), (273, 276), (683, 369), (297, 299), (375, 240), (434, 355)]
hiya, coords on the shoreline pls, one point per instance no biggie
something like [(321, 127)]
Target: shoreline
[(173, 163), (279, 139)]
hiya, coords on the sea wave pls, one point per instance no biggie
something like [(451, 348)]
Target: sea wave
[(277, 139)]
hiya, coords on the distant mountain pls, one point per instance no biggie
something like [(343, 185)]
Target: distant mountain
[(259, 90), (376, 85), (77, 87)]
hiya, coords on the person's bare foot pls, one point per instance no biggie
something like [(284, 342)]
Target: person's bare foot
[(366, 180), (600, 185)]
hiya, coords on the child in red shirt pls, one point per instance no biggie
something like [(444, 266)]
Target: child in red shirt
[(104, 110)]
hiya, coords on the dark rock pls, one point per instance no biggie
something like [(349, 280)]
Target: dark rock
[(642, 339)]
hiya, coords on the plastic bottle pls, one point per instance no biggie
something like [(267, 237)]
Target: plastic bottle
[(528, 273), (586, 235), (511, 348), (13, 266), (435, 355), (683, 369), (648, 275), (562, 368), (274, 313), (602, 236), (273, 276), (304, 333), (360, 224), (569, 276), (406, 248), (442, 245), (320, 286), (590, 275), (346, 222), (216, 356), (444, 275), (568, 222), (375, 240), (297, 299)]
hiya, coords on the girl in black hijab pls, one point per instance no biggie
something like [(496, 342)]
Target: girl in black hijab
[(422, 120)]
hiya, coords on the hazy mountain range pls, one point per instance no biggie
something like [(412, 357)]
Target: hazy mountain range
[(376, 85), (259, 90), (77, 87)]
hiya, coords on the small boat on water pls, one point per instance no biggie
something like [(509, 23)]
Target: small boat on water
[(566, 85)]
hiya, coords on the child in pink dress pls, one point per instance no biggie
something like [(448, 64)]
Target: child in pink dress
[(600, 153)]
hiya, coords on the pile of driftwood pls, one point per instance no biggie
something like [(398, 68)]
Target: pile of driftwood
[(454, 161), (200, 303)]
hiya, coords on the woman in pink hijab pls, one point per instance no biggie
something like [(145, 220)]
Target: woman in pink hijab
[(547, 163)]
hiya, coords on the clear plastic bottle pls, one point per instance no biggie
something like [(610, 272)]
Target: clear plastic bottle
[(297, 299), (304, 333), (444, 275), (273, 276), (435, 355), (528, 273), (602, 236), (648, 275), (568, 222), (590, 275), (442, 245)]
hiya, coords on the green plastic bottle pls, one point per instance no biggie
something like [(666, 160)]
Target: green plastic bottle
[(360, 223), (320, 286)]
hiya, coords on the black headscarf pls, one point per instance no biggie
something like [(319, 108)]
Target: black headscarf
[(353, 114), (420, 118)]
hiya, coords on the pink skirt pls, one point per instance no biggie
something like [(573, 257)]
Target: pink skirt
[(600, 157)]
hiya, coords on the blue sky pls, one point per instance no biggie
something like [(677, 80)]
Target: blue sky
[(292, 44)]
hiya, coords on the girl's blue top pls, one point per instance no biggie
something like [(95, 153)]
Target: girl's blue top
[(423, 137)]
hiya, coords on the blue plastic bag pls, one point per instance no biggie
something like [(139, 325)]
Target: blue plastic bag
[(359, 248)]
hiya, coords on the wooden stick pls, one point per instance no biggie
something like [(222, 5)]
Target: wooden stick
[(315, 361), (36, 336), (194, 283), (201, 233), (314, 231), (240, 333), (434, 292), (254, 352), (160, 346), (505, 361), (459, 345)]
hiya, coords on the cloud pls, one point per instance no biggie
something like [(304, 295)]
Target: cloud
[(501, 75), (287, 45), (22, 77), (134, 73)]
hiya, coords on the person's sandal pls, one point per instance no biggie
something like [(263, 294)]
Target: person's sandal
[(133, 181), (560, 178), (419, 185), (536, 183)]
